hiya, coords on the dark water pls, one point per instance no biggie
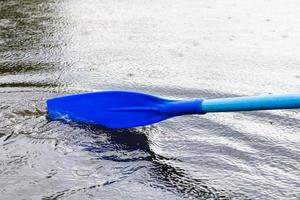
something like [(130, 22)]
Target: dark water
[(175, 49)]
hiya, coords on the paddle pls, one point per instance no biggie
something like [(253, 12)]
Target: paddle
[(125, 109)]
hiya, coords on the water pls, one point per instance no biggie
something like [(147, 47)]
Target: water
[(174, 49)]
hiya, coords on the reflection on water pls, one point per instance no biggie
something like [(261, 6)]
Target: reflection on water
[(129, 146), (173, 49), (31, 44)]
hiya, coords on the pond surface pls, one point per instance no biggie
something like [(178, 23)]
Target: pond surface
[(174, 49)]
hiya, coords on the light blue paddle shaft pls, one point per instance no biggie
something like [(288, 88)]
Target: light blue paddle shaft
[(252, 103)]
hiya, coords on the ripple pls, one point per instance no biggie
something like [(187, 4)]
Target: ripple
[(21, 67), (29, 85)]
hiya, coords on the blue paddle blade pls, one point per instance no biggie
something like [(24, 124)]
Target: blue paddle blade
[(119, 109)]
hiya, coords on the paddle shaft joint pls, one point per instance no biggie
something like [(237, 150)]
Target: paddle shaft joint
[(176, 108)]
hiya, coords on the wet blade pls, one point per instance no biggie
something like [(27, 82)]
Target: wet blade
[(118, 109)]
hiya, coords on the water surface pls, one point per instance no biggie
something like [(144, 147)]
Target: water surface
[(174, 49)]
